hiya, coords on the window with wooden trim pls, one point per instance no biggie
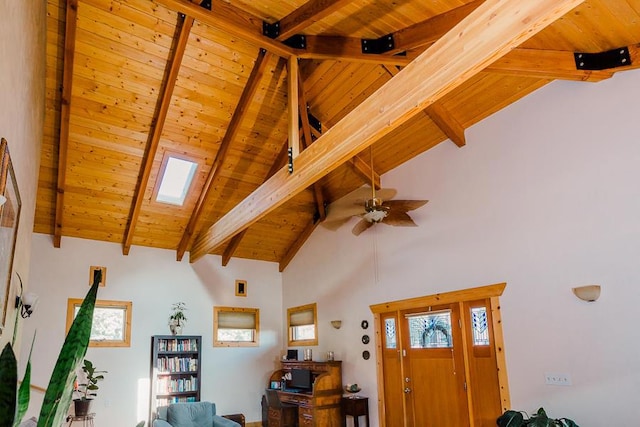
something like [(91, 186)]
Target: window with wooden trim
[(302, 325), (111, 322), (236, 327)]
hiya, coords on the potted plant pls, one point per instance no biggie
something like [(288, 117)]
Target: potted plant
[(539, 419), (87, 390), (177, 318)]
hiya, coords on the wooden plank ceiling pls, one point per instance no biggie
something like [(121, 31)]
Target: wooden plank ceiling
[(132, 82)]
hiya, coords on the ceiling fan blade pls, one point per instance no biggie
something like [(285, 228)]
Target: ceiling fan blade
[(361, 226), (333, 225), (399, 218), (405, 205)]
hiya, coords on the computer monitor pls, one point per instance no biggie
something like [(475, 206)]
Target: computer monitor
[(301, 378)]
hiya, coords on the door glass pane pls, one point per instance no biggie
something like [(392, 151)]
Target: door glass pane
[(390, 332), (432, 330), (480, 326)]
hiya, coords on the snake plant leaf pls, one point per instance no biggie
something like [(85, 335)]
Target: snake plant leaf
[(23, 391), (58, 395), (8, 383)]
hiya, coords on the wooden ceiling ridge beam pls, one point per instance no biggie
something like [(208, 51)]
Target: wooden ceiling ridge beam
[(442, 117), (308, 14), (232, 129), (164, 103), (71, 24), (415, 36), (485, 35), (232, 20)]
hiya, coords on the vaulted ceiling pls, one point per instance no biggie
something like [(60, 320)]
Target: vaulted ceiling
[(236, 85)]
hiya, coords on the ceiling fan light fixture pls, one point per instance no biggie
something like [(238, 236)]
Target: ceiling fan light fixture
[(375, 215)]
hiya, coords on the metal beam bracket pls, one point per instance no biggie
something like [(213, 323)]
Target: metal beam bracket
[(271, 30), (299, 41), (613, 58), (378, 46), (290, 155)]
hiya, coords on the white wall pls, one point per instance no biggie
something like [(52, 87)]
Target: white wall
[(546, 197), (22, 72), (233, 378)]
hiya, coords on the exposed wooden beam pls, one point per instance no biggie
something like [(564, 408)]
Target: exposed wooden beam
[(232, 246), (65, 112), (292, 103), (441, 117), (297, 244), (347, 49), (488, 33), (234, 124), (545, 64), (447, 122), (232, 20), (427, 32), (308, 14), (364, 171), (418, 35), (164, 102)]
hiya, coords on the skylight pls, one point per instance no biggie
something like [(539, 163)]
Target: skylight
[(176, 180)]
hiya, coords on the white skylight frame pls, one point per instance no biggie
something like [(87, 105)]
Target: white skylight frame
[(176, 180)]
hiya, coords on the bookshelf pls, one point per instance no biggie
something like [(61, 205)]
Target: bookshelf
[(175, 369)]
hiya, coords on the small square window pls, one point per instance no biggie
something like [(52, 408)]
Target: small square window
[(111, 322), (176, 180), (302, 325), (236, 327)]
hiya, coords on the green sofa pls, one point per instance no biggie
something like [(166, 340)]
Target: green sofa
[(195, 414)]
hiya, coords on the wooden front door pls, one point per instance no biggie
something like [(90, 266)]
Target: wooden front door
[(433, 366), (442, 364)]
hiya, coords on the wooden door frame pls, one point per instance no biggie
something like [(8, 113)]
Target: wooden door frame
[(490, 292)]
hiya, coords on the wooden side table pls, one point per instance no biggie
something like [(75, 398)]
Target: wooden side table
[(87, 420), (356, 407)]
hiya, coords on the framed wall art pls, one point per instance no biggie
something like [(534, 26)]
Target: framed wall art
[(10, 205)]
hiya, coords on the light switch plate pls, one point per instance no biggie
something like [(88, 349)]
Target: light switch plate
[(552, 378)]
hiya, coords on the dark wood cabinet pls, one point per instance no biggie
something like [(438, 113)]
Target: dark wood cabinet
[(321, 406), (175, 370)]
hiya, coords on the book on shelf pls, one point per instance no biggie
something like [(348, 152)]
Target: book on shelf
[(178, 344)]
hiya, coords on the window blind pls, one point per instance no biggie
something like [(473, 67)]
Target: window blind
[(301, 318), (236, 320)]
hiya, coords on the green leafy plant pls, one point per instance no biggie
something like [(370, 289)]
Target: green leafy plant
[(57, 398), (177, 317), (88, 389), (539, 419)]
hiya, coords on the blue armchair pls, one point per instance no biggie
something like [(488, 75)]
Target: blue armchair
[(195, 414)]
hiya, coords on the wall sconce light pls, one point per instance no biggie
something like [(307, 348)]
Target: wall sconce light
[(336, 324), (588, 293), (27, 304)]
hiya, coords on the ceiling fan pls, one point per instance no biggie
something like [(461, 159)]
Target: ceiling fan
[(372, 207)]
